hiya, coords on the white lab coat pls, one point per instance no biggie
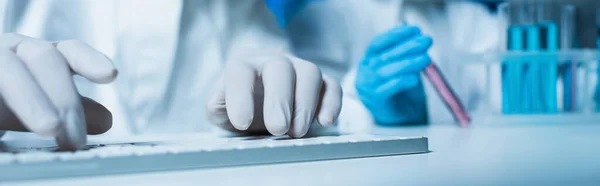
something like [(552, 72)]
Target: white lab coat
[(170, 52)]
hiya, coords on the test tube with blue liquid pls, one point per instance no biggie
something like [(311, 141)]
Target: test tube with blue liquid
[(548, 42), (569, 75), (531, 94), (512, 70)]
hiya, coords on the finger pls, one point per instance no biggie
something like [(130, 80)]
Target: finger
[(331, 102), (50, 70), (98, 118), (83, 59), (416, 45), (397, 85), (25, 98), (11, 40), (87, 62), (306, 96), (217, 114), (411, 65), (368, 77), (240, 80), (390, 38), (216, 109), (278, 81)]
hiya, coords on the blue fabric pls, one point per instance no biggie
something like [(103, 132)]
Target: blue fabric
[(492, 5), (388, 79), (285, 10)]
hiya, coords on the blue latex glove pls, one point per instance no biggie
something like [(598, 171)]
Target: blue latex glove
[(388, 80), (285, 10)]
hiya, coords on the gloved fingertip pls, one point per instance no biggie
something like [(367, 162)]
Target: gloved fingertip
[(413, 29), (113, 74), (109, 77), (87, 61), (73, 135), (419, 64), (277, 124), (301, 124), (428, 41), (65, 143), (326, 119), (405, 28), (241, 122), (393, 36), (278, 130), (297, 133)]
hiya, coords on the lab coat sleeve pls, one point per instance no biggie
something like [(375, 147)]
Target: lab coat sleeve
[(371, 19), (354, 117), (256, 32)]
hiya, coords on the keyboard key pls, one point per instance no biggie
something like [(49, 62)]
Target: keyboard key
[(143, 151), (36, 157), (179, 149), (333, 139), (80, 155), (251, 145), (7, 158), (107, 154)]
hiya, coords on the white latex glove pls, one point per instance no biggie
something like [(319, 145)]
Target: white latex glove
[(37, 92), (279, 94)]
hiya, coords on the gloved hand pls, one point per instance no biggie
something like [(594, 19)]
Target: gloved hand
[(388, 80), (275, 93), (37, 92)]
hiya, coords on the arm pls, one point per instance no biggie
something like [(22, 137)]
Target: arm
[(256, 32)]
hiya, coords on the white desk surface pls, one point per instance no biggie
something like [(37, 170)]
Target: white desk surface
[(567, 154)]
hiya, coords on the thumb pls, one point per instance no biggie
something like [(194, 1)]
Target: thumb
[(98, 118)]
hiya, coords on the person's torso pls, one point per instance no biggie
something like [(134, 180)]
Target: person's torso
[(169, 53)]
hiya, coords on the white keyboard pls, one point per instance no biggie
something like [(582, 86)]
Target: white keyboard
[(19, 163)]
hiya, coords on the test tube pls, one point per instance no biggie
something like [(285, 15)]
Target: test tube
[(513, 41), (504, 13), (512, 81), (532, 88), (548, 39), (447, 94), (569, 78)]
